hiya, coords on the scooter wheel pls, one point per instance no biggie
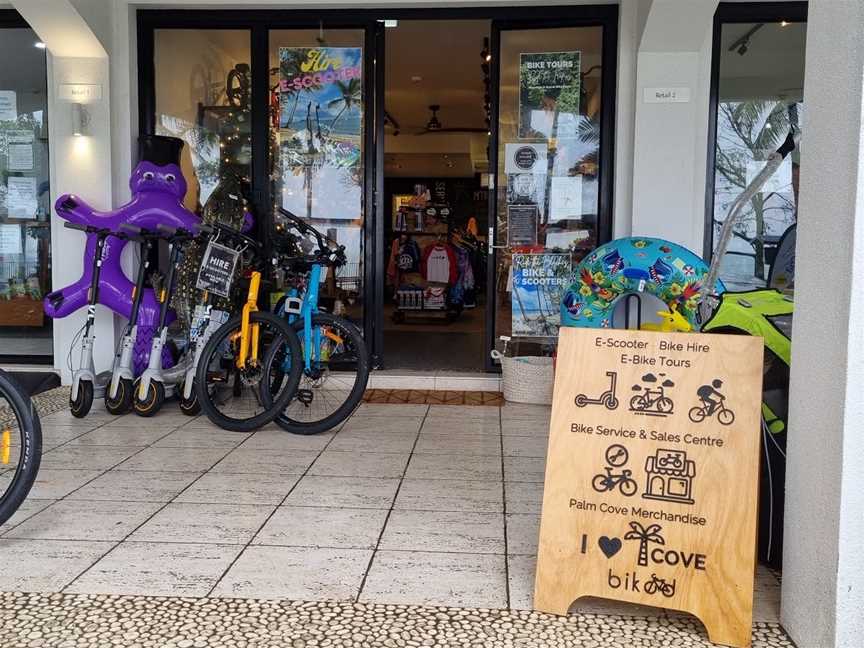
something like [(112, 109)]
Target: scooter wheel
[(189, 406), (80, 406), (152, 401), (122, 403)]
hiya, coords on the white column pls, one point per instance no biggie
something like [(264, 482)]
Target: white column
[(80, 165), (823, 556), (671, 135)]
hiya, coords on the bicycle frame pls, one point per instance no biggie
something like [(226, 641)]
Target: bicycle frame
[(308, 307), (249, 332)]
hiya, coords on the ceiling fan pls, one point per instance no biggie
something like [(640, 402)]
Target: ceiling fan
[(434, 125)]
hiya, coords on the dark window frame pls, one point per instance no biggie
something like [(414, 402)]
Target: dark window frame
[(734, 13), (11, 19), (259, 21)]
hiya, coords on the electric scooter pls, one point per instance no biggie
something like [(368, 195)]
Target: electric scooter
[(607, 398), (119, 395), (84, 378), (155, 384)]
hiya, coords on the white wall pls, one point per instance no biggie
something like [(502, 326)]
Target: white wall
[(671, 139), (823, 558)]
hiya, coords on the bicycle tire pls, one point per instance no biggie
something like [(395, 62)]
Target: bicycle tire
[(293, 424), (30, 453), (696, 414), (726, 416), (272, 407)]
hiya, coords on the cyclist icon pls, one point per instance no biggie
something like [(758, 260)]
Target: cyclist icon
[(712, 402), (616, 457)]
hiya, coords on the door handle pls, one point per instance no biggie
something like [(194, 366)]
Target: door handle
[(490, 238)]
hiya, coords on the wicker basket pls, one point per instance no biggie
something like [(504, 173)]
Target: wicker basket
[(527, 379)]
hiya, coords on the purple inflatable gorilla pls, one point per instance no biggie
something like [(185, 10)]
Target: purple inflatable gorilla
[(157, 194)]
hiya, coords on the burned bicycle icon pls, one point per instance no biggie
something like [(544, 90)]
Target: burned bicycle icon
[(653, 400), (657, 584), (616, 457), (607, 398)]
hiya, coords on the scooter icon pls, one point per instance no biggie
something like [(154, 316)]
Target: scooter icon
[(607, 398)]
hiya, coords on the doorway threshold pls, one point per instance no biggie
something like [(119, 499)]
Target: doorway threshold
[(435, 380)]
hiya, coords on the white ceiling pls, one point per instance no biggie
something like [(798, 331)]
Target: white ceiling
[(446, 54)]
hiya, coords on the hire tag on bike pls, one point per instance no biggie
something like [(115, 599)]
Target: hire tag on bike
[(217, 269), (652, 475)]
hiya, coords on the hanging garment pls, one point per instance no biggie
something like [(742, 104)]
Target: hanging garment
[(439, 264), (464, 268), (408, 256)]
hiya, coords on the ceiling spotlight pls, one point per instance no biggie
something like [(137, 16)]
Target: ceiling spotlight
[(784, 23), (40, 45)]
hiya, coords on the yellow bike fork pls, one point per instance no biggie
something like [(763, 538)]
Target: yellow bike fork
[(5, 444), (249, 332)]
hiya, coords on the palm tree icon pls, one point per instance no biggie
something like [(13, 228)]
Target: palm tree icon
[(644, 536)]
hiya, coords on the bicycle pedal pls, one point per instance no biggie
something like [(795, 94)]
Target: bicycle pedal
[(305, 396)]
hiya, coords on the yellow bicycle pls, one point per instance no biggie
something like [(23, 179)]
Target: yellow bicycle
[(230, 381)]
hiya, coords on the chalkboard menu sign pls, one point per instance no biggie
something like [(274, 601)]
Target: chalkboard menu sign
[(652, 473), (217, 269)]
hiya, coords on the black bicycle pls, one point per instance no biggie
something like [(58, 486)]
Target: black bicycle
[(20, 445)]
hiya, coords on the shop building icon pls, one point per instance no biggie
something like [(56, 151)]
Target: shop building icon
[(669, 477)]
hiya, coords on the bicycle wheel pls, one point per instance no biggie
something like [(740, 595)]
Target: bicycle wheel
[(696, 414), (20, 446), (628, 487), (332, 388), (238, 399), (726, 416), (664, 405)]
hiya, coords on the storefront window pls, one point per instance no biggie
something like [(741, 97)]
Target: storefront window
[(759, 97), (25, 205), (203, 96), (316, 145), (548, 172)]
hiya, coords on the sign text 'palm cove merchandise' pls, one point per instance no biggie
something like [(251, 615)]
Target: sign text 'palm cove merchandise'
[(651, 480)]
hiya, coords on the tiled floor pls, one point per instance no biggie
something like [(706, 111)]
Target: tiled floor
[(405, 504)]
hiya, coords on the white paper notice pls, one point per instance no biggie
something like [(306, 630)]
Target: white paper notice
[(8, 105), (10, 239), (20, 157), (21, 199), (566, 198), (525, 158), (20, 150)]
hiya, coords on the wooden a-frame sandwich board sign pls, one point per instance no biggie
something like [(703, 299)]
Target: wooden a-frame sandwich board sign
[(652, 474)]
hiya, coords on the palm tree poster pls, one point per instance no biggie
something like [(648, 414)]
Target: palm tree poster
[(538, 283), (320, 131)]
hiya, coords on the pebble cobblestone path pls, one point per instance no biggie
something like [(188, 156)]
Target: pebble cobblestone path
[(98, 621)]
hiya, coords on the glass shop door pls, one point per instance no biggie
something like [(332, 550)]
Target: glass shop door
[(550, 171)]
